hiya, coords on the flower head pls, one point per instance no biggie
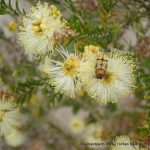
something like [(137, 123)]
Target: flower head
[(64, 74), (9, 116), (39, 27), (108, 77), (77, 125), (93, 133), (124, 143), (12, 26), (15, 138), (94, 136)]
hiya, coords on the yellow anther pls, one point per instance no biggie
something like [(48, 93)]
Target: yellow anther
[(53, 8), (70, 67), (37, 29), (12, 26), (36, 22), (105, 57), (38, 25), (91, 48), (54, 12), (58, 13)]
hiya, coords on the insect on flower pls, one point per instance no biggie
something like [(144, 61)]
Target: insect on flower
[(101, 65), (109, 76)]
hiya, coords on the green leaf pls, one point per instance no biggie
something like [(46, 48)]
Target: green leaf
[(7, 8)]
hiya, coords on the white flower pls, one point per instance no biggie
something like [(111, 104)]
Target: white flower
[(116, 79), (93, 135), (124, 143), (9, 116), (15, 138), (39, 27), (91, 49), (77, 125), (64, 75)]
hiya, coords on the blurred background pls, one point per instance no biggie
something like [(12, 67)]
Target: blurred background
[(51, 121)]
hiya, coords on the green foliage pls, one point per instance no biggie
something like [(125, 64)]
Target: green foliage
[(112, 107), (143, 92), (144, 80), (7, 8), (93, 27), (108, 5)]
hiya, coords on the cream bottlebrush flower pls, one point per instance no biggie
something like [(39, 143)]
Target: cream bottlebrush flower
[(39, 27), (108, 77), (64, 75), (9, 116), (90, 52), (91, 49), (93, 134), (77, 125), (15, 138), (124, 143)]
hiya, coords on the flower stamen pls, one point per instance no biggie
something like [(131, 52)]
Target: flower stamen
[(38, 26), (70, 67), (54, 12)]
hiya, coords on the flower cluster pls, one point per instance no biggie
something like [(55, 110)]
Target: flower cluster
[(105, 77), (40, 29)]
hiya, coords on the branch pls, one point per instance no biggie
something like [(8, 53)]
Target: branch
[(6, 8)]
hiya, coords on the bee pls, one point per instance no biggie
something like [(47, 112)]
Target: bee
[(101, 65)]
